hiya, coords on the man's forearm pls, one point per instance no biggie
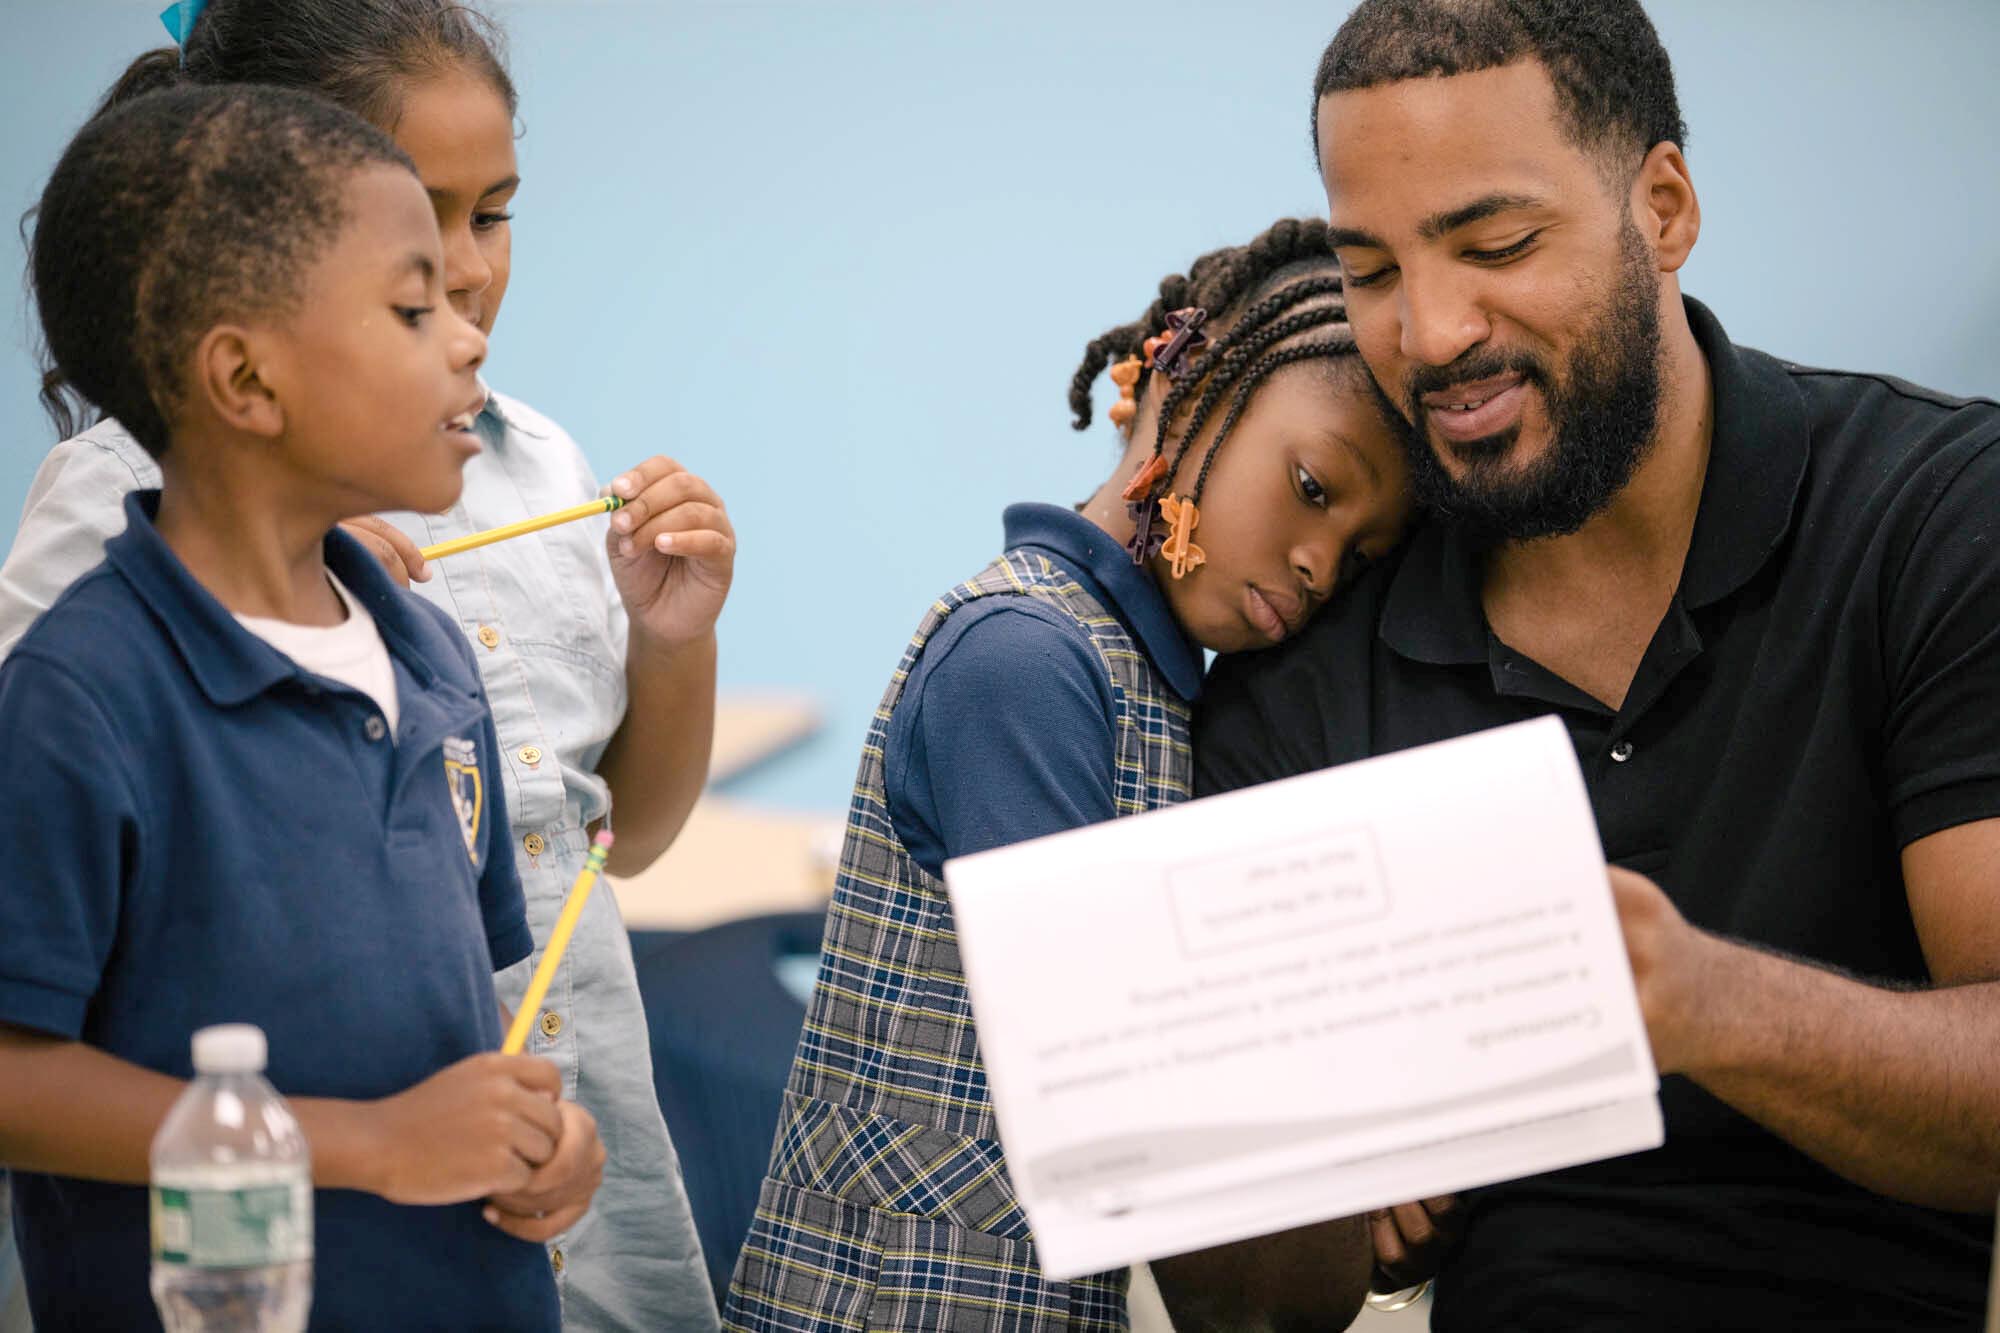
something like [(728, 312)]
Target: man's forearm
[(657, 762), (1899, 1091)]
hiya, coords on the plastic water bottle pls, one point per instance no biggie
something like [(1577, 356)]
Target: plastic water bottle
[(232, 1202)]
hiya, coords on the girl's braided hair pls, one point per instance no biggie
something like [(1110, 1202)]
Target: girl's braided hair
[(1270, 294)]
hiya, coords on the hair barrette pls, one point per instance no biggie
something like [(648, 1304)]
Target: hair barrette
[(178, 19), (1126, 376), (1141, 504), (1147, 535), (1179, 549), (1146, 478), (1170, 351)]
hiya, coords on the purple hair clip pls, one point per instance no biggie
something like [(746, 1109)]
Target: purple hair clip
[(1147, 539), (1182, 339)]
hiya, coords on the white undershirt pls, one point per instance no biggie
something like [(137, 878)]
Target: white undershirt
[(351, 652)]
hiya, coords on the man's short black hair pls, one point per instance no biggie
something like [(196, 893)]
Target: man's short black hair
[(1613, 81)]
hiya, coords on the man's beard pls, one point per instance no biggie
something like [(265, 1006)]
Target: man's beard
[(1601, 418)]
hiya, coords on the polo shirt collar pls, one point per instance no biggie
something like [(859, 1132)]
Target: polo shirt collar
[(493, 423), (1756, 466), (229, 663), (1127, 591), (1758, 447)]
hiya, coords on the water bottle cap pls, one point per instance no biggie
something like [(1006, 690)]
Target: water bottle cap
[(231, 1048)]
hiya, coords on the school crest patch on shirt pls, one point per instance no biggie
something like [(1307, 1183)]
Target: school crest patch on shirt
[(468, 796)]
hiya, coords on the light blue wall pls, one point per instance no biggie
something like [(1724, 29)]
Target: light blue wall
[(841, 257)]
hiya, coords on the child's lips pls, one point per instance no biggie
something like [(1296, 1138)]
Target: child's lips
[(468, 412), (459, 431), (461, 425), (1264, 616)]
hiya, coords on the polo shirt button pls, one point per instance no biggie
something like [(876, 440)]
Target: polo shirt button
[(376, 728), (1621, 752), (531, 755), (552, 1024), (489, 636), (533, 842), (556, 1260)]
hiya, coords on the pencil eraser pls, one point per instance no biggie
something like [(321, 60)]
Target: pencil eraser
[(603, 839)]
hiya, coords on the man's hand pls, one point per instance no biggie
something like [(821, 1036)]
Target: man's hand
[(1307, 1280), (1673, 966), (398, 554), (672, 551), (1412, 1239), (560, 1190)]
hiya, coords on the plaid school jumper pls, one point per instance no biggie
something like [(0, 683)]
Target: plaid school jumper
[(887, 1206)]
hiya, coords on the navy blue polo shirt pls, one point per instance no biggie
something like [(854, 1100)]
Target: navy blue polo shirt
[(199, 832), (1823, 691), (1006, 729)]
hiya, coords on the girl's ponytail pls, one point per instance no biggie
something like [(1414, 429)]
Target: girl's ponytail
[(151, 72)]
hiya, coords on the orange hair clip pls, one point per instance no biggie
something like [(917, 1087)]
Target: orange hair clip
[(1145, 478), (1126, 376), (1181, 552)]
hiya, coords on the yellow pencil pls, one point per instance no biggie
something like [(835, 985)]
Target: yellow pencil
[(545, 971), (506, 530)]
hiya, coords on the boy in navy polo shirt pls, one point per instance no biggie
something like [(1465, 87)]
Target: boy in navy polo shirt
[(252, 781)]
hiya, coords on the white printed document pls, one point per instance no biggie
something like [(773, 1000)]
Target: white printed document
[(1378, 983)]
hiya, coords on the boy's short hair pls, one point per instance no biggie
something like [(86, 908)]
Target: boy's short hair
[(1613, 81), (173, 212)]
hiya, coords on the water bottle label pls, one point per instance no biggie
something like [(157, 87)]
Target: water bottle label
[(251, 1227)]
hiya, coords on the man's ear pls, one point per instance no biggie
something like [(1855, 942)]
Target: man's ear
[(1665, 206), (230, 376)]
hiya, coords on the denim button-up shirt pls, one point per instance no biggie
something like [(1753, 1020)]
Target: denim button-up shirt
[(548, 630)]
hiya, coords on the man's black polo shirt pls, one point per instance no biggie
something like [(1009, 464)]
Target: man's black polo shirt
[(1824, 690)]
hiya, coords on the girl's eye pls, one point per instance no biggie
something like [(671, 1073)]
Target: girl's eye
[(488, 221), (1504, 252), (413, 315), (1309, 487)]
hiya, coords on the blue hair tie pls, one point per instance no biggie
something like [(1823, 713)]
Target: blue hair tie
[(178, 19)]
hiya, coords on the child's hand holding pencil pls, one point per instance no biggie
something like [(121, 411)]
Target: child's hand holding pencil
[(496, 1126), (489, 1126), (672, 550), (559, 1191)]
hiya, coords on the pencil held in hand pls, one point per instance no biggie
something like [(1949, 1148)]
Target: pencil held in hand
[(526, 525), (545, 971)]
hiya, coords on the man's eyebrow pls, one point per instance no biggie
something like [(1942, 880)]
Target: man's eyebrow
[(1441, 224), (1437, 225)]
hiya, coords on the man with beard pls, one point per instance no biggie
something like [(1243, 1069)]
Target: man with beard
[(1764, 599)]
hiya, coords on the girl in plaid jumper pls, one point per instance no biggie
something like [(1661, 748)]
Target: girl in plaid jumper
[(1050, 690)]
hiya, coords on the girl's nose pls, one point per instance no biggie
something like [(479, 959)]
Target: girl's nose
[(1317, 561), (466, 272)]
